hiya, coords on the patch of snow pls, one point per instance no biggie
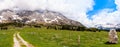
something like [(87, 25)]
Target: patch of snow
[(1, 19), (33, 20), (16, 17), (59, 17), (53, 20), (44, 18)]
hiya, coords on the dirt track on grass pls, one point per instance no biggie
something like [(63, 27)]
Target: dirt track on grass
[(20, 42)]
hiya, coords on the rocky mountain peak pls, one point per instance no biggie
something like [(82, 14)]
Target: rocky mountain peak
[(37, 16)]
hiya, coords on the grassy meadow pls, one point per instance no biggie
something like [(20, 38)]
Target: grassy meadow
[(6, 38), (64, 38), (42, 37)]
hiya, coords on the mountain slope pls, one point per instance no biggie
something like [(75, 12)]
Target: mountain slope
[(37, 16)]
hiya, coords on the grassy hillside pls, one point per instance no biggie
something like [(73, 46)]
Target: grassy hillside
[(64, 38), (42, 37), (6, 38)]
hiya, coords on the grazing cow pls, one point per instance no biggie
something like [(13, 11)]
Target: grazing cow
[(4, 28), (113, 38), (37, 26)]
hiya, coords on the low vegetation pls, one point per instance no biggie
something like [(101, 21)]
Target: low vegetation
[(40, 36), (64, 38), (6, 38)]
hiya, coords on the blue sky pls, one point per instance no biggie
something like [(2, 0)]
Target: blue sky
[(102, 4)]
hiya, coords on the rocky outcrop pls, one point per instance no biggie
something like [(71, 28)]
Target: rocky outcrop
[(37, 16), (113, 37)]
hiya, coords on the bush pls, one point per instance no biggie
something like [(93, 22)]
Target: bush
[(92, 29), (81, 28)]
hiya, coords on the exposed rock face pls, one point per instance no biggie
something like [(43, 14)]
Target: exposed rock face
[(113, 38), (38, 16)]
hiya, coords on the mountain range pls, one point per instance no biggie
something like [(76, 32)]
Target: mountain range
[(107, 26), (36, 16)]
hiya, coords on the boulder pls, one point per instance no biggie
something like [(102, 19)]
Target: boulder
[(113, 37)]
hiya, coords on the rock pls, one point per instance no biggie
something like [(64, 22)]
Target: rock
[(113, 38)]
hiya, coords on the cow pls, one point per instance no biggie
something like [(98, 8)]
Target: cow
[(4, 28)]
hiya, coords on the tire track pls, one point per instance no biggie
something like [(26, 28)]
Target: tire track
[(16, 42), (19, 41)]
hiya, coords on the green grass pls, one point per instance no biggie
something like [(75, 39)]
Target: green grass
[(56, 38), (6, 38), (64, 38)]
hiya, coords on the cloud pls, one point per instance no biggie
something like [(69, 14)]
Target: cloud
[(86, 6), (56, 5), (73, 9), (30, 4), (5, 4), (117, 2), (79, 10), (107, 15)]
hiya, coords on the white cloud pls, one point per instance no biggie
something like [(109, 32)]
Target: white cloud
[(117, 2), (56, 5), (85, 6), (5, 4), (108, 15), (73, 9)]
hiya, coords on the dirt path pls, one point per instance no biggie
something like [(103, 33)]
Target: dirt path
[(16, 42), (20, 42)]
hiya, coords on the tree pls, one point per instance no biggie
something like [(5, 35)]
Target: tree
[(80, 28)]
